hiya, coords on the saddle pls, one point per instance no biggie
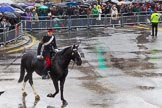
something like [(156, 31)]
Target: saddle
[(36, 60)]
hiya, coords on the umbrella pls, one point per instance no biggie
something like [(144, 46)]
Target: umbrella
[(17, 6), (29, 7), (43, 7), (71, 3), (17, 14), (6, 8), (124, 2), (9, 15), (23, 5), (62, 5), (19, 11), (84, 5), (37, 1), (30, 4), (49, 4), (37, 4)]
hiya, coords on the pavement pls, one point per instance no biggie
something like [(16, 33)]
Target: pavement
[(19, 44)]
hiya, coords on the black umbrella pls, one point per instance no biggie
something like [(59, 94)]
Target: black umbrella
[(17, 6), (17, 14), (9, 15)]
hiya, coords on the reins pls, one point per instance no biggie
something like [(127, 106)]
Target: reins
[(73, 65)]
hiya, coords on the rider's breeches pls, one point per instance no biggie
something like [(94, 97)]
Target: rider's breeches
[(48, 62)]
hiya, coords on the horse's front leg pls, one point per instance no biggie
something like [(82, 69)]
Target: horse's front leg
[(62, 81), (32, 85), (55, 82)]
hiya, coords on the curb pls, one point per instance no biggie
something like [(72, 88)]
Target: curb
[(21, 43), (28, 44)]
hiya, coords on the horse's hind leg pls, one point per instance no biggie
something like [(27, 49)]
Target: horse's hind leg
[(55, 82), (24, 84), (32, 85), (23, 89), (62, 81)]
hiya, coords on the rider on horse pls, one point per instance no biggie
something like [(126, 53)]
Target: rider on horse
[(49, 44)]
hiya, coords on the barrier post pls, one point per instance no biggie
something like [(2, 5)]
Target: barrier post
[(105, 20), (69, 22), (121, 20), (88, 25), (5, 33)]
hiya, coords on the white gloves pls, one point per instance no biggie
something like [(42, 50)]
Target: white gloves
[(39, 56), (56, 50)]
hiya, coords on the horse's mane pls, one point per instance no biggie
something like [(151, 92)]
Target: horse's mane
[(64, 50)]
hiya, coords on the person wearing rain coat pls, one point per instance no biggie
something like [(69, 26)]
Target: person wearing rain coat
[(155, 20)]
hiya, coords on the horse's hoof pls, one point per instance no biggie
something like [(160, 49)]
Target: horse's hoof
[(64, 103), (50, 95), (24, 94), (37, 98)]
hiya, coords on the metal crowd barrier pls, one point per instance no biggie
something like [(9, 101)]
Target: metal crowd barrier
[(7, 35), (84, 21), (70, 22)]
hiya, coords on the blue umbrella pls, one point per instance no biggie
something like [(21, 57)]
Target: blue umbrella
[(71, 3), (6, 8)]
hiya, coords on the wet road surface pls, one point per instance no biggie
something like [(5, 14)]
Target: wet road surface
[(121, 69)]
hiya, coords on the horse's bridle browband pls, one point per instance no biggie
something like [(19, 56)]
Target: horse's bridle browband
[(73, 50)]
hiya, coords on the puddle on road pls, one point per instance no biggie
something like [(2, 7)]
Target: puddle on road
[(101, 105), (7, 79), (143, 38), (135, 67), (146, 87), (94, 86), (139, 67), (90, 80)]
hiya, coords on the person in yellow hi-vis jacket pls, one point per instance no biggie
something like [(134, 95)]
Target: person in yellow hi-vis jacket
[(155, 20)]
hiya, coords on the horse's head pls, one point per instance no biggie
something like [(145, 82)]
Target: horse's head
[(76, 55)]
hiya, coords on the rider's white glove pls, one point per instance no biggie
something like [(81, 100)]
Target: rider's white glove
[(56, 50), (39, 56)]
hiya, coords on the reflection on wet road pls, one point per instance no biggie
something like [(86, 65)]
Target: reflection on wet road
[(121, 69)]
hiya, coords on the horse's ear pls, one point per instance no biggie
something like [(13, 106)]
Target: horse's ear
[(77, 46)]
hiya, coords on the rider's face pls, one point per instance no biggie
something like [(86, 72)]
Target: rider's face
[(50, 33)]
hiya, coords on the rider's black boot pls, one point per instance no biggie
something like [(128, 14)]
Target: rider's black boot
[(45, 73)]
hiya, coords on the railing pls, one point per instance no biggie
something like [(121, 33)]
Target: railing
[(7, 35), (84, 21), (70, 22)]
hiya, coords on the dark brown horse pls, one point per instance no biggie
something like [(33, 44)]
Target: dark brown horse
[(59, 69)]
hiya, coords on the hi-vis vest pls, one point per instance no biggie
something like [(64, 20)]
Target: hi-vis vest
[(155, 17)]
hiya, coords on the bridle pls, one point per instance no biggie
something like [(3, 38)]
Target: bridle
[(74, 50)]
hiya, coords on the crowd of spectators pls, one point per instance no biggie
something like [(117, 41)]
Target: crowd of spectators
[(81, 10), (96, 8)]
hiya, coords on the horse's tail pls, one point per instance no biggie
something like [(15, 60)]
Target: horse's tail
[(22, 73)]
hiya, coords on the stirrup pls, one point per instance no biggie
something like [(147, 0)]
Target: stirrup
[(45, 76)]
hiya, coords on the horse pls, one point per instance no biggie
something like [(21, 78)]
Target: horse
[(59, 69)]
